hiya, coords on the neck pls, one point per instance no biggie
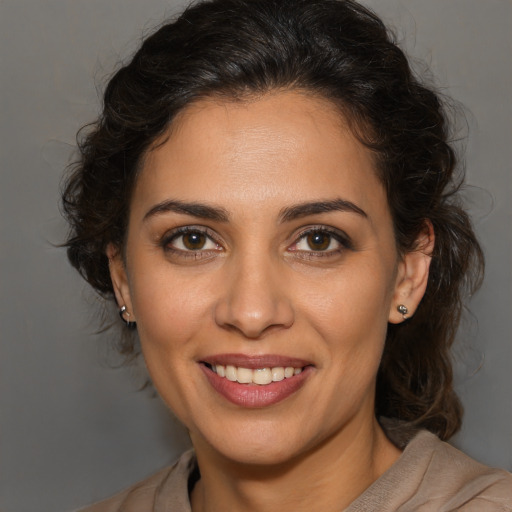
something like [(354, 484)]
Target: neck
[(328, 478)]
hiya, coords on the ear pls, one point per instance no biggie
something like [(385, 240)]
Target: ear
[(412, 276), (120, 280)]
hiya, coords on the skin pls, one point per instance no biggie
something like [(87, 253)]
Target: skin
[(258, 287)]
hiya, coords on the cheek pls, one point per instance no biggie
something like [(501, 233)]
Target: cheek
[(171, 316), (169, 310), (351, 316), (355, 299)]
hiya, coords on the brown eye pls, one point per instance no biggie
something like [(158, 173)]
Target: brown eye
[(318, 241), (190, 240), (321, 242), (194, 241)]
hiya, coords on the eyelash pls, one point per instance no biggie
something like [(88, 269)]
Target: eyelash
[(341, 238), (338, 236), (199, 254)]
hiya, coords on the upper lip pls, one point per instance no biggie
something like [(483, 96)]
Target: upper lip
[(255, 361)]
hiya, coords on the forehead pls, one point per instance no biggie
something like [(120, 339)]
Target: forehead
[(286, 146)]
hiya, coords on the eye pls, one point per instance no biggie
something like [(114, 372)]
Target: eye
[(320, 241), (190, 239), (316, 241), (193, 241)]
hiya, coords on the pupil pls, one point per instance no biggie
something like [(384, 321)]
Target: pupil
[(194, 241), (318, 241)]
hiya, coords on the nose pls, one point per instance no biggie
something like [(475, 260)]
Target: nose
[(255, 299)]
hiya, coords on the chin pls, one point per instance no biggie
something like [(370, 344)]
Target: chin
[(256, 445), (258, 455)]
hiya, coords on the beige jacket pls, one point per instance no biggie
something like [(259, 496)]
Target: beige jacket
[(429, 476)]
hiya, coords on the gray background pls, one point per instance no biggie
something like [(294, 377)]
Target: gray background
[(72, 429)]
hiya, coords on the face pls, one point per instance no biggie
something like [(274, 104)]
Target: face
[(261, 268)]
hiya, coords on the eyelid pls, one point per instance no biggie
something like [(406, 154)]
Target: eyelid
[(339, 235), (175, 233)]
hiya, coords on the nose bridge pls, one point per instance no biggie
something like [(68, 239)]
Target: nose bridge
[(255, 297)]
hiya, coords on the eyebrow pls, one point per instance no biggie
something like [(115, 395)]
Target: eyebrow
[(199, 210), (287, 214), (303, 210)]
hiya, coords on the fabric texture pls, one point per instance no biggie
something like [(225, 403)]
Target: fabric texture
[(429, 476)]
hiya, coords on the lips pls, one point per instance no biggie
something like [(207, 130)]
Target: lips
[(255, 381)]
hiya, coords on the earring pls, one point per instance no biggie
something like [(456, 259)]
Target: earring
[(122, 313), (403, 310)]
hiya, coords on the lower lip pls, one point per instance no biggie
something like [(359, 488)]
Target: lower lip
[(255, 396)]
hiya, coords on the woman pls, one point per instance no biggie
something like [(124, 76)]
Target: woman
[(270, 198)]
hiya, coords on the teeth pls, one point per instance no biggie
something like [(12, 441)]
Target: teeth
[(288, 372), (231, 373), (277, 374), (244, 375), (260, 376)]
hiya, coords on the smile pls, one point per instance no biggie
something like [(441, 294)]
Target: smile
[(259, 376), (256, 381)]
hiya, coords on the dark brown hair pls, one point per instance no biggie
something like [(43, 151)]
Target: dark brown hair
[(338, 50)]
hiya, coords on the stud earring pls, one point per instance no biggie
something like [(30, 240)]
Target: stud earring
[(403, 310), (124, 312)]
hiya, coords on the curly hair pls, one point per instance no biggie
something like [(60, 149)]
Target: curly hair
[(335, 49)]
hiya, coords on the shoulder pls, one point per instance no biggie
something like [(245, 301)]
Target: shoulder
[(463, 483), (433, 476), (169, 486)]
